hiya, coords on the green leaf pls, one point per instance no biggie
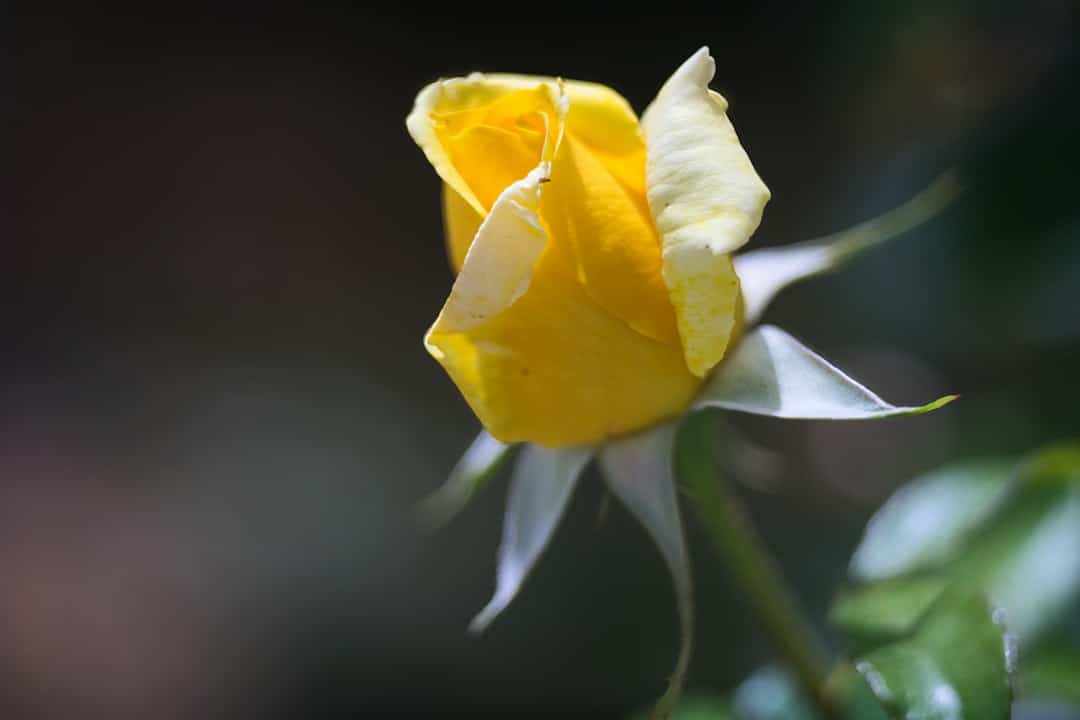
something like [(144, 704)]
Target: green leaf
[(1015, 540), (1057, 464), (764, 273), (542, 485), (1043, 709), (473, 472), (639, 471), (925, 522), (955, 667), (772, 693), (1052, 672), (859, 701), (771, 373), (886, 610), (1029, 562)]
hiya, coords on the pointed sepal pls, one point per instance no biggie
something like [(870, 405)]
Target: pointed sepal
[(771, 373), (764, 273), (540, 489), (639, 469), (476, 468)]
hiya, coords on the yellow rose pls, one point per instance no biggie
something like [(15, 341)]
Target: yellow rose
[(595, 285), (597, 294)]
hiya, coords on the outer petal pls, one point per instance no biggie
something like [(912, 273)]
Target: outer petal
[(499, 265), (534, 354), (706, 200)]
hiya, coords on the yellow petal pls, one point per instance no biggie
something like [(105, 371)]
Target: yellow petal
[(533, 353), (480, 135), (609, 232), (706, 200), (602, 120), (461, 222)]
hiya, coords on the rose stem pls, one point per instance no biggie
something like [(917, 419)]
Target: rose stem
[(752, 568)]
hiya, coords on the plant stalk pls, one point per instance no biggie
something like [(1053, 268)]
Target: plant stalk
[(753, 570)]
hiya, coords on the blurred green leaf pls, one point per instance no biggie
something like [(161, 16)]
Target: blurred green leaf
[(1015, 540), (542, 485), (764, 273), (1029, 562), (926, 521), (1042, 709), (860, 703), (639, 469), (771, 693), (1052, 672), (955, 666), (887, 610), (473, 472), (1057, 464), (937, 648), (771, 373)]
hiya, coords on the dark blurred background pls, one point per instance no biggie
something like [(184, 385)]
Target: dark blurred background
[(217, 415)]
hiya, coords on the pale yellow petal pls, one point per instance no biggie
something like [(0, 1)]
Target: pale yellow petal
[(706, 200), (499, 264)]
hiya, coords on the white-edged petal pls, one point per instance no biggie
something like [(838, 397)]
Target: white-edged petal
[(542, 485), (772, 373), (499, 264), (706, 200)]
